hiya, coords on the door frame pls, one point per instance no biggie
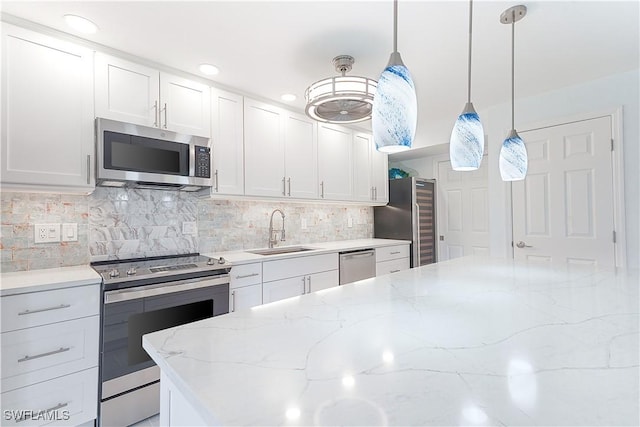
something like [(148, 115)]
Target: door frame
[(617, 160)]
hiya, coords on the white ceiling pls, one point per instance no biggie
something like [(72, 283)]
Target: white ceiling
[(268, 48)]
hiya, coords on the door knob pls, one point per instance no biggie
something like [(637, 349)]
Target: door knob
[(522, 244)]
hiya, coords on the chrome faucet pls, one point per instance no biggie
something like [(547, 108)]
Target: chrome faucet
[(273, 233)]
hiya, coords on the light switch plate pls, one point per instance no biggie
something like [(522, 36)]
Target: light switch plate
[(46, 233), (70, 232), (190, 227)]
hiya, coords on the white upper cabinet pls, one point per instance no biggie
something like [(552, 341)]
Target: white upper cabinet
[(335, 148), (379, 175), (47, 113), (301, 156), (280, 152), (264, 150), (134, 93), (227, 135), (369, 171)]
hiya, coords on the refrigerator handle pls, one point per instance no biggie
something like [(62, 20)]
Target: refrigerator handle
[(416, 236)]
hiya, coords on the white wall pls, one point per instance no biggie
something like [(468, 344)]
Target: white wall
[(596, 97)]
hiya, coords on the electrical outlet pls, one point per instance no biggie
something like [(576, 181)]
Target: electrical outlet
[(47, 233), (190, 227), (350, 222), (303, 223)]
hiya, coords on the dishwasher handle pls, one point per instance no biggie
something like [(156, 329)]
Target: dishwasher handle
[(354, 255)]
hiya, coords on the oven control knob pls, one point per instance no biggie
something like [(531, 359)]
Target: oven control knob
[(222, 260), (114, 273), (211, 261), (131, 271)]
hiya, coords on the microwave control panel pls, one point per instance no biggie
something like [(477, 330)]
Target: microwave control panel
[(203, 162)]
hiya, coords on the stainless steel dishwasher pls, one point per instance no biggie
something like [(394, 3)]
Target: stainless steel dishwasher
[(357, 265)]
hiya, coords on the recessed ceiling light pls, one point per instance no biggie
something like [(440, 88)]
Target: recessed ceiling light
[(209, 70), (288, 97), (80, 24)]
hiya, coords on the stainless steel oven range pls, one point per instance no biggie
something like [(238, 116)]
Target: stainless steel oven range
[(144, 295)]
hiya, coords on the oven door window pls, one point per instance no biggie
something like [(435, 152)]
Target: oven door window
[(140, 154), (124, 324)]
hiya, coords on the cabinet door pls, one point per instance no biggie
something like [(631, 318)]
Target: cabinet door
[(47, 112), (246, 297), (263, 150), (281, 289), (379, 175), (362, 186), (185, 106), (301, 156), (324, 280), (126, 91), (334, 162), (227, 142)]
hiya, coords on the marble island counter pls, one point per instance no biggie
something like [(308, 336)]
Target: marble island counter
[(473, 341)]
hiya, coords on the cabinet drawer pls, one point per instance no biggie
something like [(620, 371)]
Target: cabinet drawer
[(391, 266), (66, 401), (44, 352), (392, 252), (41, 308), (292, 267), (246, 274)]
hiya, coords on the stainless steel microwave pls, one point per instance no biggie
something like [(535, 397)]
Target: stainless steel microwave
[(144, 157)]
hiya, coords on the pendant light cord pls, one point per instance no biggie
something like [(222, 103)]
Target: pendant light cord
[(470, 29), (513, 32), (395, 26)]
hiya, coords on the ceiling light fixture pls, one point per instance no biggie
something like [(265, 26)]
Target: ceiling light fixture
[(466, 146), (289, 97), (208, 69), (342, 99), (395, 107), (513, 154), (80, 24)]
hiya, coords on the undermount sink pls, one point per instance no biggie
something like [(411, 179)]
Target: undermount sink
[(284, 250)]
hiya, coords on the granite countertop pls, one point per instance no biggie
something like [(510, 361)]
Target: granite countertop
[(20, 282), (472, 341), (244, 257)]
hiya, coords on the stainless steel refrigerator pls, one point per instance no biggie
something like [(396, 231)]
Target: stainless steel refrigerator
[(410, 215)]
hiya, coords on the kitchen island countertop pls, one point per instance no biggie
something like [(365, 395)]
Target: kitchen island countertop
[(472, 341)]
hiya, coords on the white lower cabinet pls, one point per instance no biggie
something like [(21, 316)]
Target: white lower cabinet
[(245, 287), (391, 266), (391, 259), (291, 277), (50, 351), (246, 297)]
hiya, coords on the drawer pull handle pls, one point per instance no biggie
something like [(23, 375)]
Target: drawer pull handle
[(394, 271), (394, 253), (58, 307), (247, 275), (49, 353), (27, 416)]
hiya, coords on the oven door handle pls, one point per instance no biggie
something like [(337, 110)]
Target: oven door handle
[(129, 294)]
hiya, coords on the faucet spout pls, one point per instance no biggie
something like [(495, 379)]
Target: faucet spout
[(273, 239)]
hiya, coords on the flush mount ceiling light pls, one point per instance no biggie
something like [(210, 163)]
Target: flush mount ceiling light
[(466, 145), (288, 97), (341, 99), (208, 69), (80, 24), (395, 107), (513, 154)]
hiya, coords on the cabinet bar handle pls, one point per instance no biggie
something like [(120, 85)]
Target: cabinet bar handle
[(28, 415), (49, 353), (247, 275), (375, 193), (215, 176), (322, 189), (309, 281), (394, 253), (304, 285), (394, 271), (165, 115), (233, 301), (372, 196), (88, 168), (155, 113), (284, 186), (40, 310), (289, 182)]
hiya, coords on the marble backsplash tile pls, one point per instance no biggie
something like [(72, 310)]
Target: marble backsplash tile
[(124, 223)]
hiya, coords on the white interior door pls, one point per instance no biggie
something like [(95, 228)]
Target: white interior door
[(463, 211), (563, 210)]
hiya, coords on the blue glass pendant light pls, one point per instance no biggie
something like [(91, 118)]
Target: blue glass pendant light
[(395, 107), (466, 145), (513, 154)]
